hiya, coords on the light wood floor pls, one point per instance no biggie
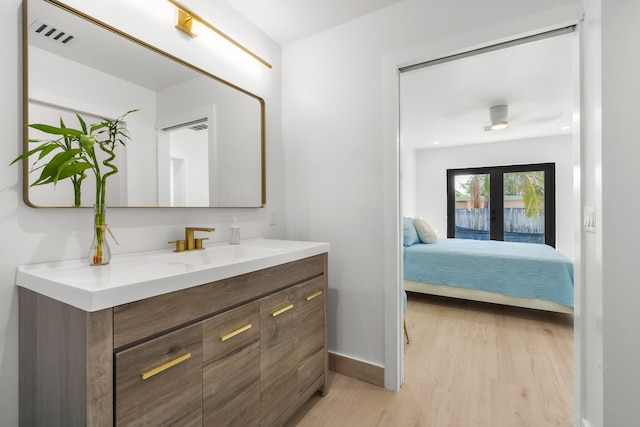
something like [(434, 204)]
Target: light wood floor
[(468, 364)]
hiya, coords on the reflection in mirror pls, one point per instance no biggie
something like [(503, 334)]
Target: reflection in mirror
[(188, 144), (63, 191), (196, 141)]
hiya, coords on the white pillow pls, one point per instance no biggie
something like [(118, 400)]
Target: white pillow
[(425, 232)]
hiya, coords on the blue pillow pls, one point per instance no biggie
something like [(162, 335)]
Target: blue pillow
[(409, 233)]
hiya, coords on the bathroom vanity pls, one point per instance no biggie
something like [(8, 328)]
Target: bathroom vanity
[(230, 335)]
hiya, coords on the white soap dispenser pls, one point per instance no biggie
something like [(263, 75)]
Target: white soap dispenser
[(234, 232)]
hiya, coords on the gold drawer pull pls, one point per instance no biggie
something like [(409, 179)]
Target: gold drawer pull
[(235, 332), (282, 310), (165, 366), (313, 295)]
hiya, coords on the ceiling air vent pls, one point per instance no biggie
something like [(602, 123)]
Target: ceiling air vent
[(201, 126), (51, 32), (198, 124)]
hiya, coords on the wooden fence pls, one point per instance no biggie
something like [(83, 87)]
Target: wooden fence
[(515, 220)]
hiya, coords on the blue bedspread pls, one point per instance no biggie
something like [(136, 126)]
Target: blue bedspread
[(517, 269)]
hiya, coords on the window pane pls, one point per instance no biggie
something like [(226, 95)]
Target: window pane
[(472, 207), (524, 207)]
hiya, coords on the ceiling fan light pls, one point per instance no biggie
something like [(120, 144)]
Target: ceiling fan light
[(499, 125)]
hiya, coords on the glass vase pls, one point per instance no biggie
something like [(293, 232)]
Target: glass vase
[(99, 253)]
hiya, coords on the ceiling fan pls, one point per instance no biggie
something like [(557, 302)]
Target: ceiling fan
[(498, 115)]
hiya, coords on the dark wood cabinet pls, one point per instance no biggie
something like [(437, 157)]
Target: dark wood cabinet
[(244, 351)]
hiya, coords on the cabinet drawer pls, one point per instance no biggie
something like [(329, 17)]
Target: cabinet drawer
[(231, 371), (160, 382)]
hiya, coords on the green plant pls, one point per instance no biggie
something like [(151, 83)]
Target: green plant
[(530, 185), (74, 153)]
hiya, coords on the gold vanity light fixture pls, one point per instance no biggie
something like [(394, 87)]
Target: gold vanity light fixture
[(185, 22)]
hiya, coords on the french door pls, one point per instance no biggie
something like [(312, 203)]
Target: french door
[(510, 203)]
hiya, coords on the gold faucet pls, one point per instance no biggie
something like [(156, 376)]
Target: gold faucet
[(189, 243)]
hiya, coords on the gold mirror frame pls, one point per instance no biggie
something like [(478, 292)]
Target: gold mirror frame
[(260, 204)]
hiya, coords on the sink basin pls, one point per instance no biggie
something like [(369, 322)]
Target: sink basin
[(215, 255)]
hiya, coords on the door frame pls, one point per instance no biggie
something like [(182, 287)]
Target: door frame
[(392, 173)]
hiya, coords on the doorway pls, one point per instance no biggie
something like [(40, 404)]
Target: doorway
[(415, 201)]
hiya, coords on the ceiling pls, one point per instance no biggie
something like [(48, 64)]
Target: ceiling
[(449, 103), (286, 21)]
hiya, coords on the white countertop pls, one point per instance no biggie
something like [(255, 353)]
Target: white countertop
[(132, 277)]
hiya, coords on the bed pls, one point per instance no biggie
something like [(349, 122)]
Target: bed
[(519, 274)]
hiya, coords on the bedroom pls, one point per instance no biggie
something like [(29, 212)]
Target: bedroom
[(444, 108)]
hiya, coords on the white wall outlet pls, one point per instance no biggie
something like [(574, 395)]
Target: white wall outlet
[(589, 220), (273, 217)]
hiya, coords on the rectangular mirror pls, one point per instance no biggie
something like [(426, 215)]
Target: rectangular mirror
[(195, 141)]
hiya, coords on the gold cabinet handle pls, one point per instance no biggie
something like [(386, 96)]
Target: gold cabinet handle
[(313, 295), (165, 366), (282, 310), (235, 332)]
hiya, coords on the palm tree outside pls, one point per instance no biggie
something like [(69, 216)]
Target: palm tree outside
[(523, 194)]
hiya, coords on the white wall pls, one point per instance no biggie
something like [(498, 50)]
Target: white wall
[(339, 120), (409, 182), (620, 156), (431, 180), (38, 235)]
